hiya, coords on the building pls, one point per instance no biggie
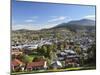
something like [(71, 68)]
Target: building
[(17, 65), (56, 64), (37, 65), (72, 61), (70, 57), (16, 51)]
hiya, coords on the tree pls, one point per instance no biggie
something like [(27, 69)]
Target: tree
[(58, 35), (38, 58), (54, 47), (61, 47), (35, 59), (92, 55), (24, 58), (78, 50), (44, 48), (49, 50)]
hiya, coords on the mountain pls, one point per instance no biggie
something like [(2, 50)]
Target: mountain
[(84, 22)]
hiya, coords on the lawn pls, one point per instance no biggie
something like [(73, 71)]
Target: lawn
[(56, 70)]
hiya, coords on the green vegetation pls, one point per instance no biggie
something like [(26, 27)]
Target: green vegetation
[(56, 70)]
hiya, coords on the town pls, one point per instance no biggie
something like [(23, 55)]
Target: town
[(52, 37), (54, 53)]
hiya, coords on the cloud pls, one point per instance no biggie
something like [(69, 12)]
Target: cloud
[(30, 20), (26, 26), (50, 25), (60, 18), (33, 26), (91, 17)]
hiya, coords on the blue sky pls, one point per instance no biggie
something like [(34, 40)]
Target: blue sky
[(35, 15)]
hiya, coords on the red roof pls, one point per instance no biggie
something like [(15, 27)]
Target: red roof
[(36, 64), (16, 62)]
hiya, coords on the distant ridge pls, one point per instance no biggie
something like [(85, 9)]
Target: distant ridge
[(85, 22), (71, 25)]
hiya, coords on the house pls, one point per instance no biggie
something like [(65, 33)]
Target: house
[(72, 62), (28, 49), (63, 54), (19, 46), (70, 58), (30, 46), (37, 65), (56, 64), (17, 65), (69, 51), (33, 46), (48, 43), (16, 51)]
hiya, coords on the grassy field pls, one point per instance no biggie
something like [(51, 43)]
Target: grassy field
[(55, 70)]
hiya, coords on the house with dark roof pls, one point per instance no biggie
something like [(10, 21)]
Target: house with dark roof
[(70, 57), (72, 61)]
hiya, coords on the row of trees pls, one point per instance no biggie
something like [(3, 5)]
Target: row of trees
[(46, 50)]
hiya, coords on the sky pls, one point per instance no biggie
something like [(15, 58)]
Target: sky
[(36, 15)]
